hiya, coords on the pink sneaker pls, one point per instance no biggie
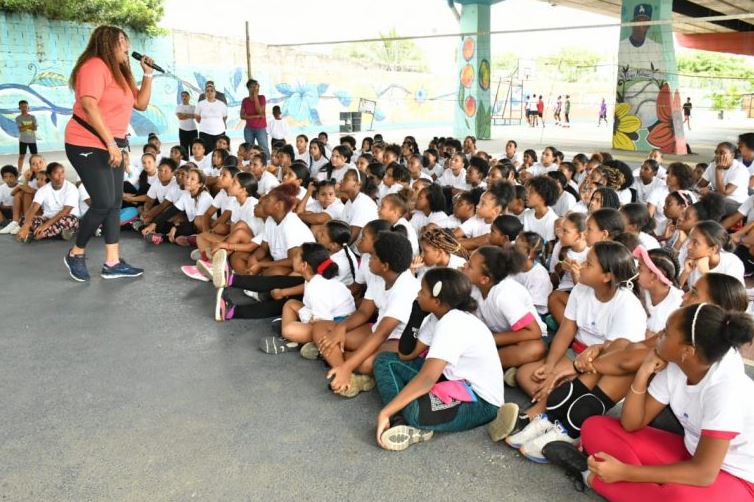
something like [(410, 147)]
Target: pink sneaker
[(192, 272)]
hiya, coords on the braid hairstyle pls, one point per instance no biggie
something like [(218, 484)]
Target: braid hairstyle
[(443, 239), (339, 232)]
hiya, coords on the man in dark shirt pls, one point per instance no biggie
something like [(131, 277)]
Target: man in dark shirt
[(687, 113)]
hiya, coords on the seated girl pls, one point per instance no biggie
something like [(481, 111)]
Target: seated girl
[(506, 307), (320, 204), (533, 276), (475, 231), (352, 345), (638, 222), (365, 246), (325, 299), (58, 203), (359, 208), (602, 307), (430, 208), (218, 214), (457, 387), (505, 230), (393, 208), (709, 249), (541, 193), (339, 164), (161, 195), (464, 208), (438, 249), (570, 251), (697, 370)]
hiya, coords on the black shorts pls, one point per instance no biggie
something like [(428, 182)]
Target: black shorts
[(23, 146), (7, 212), (540, 114)]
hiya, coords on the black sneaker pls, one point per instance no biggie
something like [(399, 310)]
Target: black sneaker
[(121, 269), (277, 325), (570, 459), (76, 265)]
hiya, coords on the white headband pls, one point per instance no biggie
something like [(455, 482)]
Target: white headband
[(693, 324)]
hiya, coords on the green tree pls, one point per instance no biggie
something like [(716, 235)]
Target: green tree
[(140, 15), (714, 64), (397, 55), (570, 63), (504, 63)]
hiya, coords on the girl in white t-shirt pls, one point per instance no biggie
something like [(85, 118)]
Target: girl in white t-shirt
[(58, 205), (475, 231), (458, 386), (601, 308), (334, 235), (534, 276), (638, 222), (365, 246), (265, 179), (359, 208), (317, 157), (567, 257), (506, 306), (393, 208), (541, 193), (340, 159), (192, 204), (709, 249), (222, 204), (658, 286), (297, 175), (429, 208), (320, 204), (697, 371), (325, 298), (199, 155), (351, 346), (438, 249)]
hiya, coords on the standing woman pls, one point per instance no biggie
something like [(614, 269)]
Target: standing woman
[(254, 113), (211, 115), (106, 92)]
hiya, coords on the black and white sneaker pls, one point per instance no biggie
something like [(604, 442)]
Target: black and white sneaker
[(572, 460), (277, 325)]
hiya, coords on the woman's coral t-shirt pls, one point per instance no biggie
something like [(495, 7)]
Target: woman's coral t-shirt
[(95, 79)]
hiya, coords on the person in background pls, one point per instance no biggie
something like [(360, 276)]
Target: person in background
[(186, 125), (687, 112), (211, 114), (277, 129), (27, 126), (253, 112)]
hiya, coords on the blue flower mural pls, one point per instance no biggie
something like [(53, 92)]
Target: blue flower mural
[(301, 100)]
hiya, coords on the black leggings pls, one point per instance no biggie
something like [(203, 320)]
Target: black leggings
[(263, 284), (210, 140), (105, 187), (186, 137)]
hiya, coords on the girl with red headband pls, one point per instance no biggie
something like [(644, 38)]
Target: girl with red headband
[(326, 298)]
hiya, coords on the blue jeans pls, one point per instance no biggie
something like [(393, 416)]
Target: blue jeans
[(260, 135), (392, 375)]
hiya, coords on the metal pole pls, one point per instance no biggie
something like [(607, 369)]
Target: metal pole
[(248, 50)]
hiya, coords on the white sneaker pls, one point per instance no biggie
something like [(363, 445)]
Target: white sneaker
[(204, 267), (11, 228), (538, 426), (533, 449), (252, 294)]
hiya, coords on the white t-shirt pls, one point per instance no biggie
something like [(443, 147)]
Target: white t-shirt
[(194, 207), (245, 212), (474, 227), (538, 169), (212, 115), (448, 179), (365, 276), (420, 220), (746, 209), (517, 158), (659, 314), (565, 203), (395, 302), (544, 226), (648, 241), (335, 209), (508, 307), (435, 170), (83, 197), (159, 192), (336, 174), (205, 164), (643, 191), (326, 299), (266, 182), (537, 282), (566, 280), (315, 165), (729, 264), (186, 124), (422, 176), (290, 233), (360, 211), (736, 174), (53, 201), (657, 198), (621, 317), (277, 129), (468, 348), (345, 275), (6, 199), (624, 196), (719, 406), (223, 201), (410, 234)]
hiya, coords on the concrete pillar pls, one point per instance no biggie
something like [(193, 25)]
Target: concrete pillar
[(473, 114), (648, 111)]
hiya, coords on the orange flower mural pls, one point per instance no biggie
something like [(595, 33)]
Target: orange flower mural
[(663, 133)]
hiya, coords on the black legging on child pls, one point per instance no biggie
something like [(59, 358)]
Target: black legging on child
[(263, 284), (105, 186), (163, 225)]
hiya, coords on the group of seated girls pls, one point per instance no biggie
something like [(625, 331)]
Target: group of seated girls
[(440, 276)]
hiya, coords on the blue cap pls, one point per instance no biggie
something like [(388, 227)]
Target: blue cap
[(643, 10)]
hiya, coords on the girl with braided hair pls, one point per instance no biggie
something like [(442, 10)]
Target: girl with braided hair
[(439, 248)]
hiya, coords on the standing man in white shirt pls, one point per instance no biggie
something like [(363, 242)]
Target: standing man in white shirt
[(186, 124)]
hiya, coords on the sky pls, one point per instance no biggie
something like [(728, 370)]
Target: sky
[(297, 21)]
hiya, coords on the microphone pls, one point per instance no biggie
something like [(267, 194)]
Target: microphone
[(154, 66)]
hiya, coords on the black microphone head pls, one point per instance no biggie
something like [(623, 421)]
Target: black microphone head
[(136, 55)]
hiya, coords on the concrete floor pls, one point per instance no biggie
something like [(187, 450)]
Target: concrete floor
[(129, 390)]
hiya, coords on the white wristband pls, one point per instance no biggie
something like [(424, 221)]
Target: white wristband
[(148, 75)]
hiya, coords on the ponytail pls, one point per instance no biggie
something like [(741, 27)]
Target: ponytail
[(451, 287), (714, 331), (316, 256), (500, 263)]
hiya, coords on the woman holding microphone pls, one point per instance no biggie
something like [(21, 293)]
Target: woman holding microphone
[(105, 93)]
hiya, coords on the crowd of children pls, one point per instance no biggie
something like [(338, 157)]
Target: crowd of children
[(440, 275)]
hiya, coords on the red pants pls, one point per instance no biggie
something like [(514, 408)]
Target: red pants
[(650, 446)]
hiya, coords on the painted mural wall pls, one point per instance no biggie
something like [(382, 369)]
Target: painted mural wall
[(312, 89), (648, 110)]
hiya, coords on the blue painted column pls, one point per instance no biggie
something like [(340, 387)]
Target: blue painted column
[(473, 114), (648, 111)]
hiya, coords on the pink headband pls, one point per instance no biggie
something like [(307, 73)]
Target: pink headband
[(641, 252)]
